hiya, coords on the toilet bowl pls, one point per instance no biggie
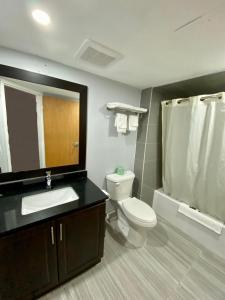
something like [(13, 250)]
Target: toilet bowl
[(134, 217)]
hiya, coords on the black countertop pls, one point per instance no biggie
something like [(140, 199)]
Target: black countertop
[(11, 218)]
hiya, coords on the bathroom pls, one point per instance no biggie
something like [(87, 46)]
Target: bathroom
[(124, 219)]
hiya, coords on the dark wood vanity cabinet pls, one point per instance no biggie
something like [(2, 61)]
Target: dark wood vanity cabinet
[(28, 263), (37, 259), (80, 241)]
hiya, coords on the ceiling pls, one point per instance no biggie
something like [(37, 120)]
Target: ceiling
[(144, 32)]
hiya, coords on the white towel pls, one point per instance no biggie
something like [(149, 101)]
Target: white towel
[(133, 122), (121, 123)]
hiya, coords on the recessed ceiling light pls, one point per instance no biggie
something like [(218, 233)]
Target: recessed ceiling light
[(41, 17)]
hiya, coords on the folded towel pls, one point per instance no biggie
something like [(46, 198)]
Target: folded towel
[(133, 122), (121, 123)]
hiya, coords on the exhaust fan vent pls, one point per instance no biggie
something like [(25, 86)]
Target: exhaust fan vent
[(95, 54)]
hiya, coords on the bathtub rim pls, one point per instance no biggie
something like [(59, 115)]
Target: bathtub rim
[(168, 210)]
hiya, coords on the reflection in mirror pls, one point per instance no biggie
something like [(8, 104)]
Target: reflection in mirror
[(39, 126)]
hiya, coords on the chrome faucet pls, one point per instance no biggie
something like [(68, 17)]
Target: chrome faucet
[(49, 179)]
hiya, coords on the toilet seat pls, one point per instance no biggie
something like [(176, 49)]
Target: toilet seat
[(139, 212)]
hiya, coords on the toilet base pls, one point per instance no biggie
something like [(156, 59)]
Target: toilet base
[(135, 235)]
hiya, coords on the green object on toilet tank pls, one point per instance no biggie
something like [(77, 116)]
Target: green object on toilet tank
[(120, 170)]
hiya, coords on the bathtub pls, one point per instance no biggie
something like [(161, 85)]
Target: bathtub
[(167, 208)]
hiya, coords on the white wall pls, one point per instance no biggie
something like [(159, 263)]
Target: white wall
[(105, 150)]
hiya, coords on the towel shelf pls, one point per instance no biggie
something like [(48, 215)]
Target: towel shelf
[(117, 106)]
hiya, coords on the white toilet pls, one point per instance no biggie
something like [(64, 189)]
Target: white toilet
[(135, 217)]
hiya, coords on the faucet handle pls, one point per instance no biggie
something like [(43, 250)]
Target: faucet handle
[(48, 173)]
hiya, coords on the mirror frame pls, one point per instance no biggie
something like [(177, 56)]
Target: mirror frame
[(20, 74)]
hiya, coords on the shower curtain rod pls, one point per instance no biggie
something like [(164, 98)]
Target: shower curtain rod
[(211, 96), (201, 99)]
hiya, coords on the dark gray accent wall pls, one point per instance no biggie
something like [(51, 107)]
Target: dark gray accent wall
[(148, 152), (141, 140), (148, 159), (212, 83), (152, 158)]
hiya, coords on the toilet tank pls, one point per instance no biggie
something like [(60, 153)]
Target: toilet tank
[(120, 186)]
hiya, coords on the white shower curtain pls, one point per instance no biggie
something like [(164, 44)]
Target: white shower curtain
[(193, 137)]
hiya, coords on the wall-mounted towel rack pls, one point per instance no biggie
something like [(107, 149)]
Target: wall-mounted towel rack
[(117, 106)]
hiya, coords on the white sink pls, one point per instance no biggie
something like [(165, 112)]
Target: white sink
[(34, 203)]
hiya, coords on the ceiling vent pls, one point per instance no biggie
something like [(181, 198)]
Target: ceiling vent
[(95, 54)]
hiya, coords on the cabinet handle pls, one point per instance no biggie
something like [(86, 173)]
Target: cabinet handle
[(60, 232), (52, 235)]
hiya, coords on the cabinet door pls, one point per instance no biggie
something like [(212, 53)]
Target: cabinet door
[(28, 263), (80, 240)]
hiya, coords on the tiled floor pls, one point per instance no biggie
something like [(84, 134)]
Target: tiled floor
[(170, 266)]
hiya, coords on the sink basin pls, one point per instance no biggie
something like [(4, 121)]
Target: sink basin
[(34, 203)]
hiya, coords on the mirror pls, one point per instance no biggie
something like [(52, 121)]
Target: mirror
[(41, 126)]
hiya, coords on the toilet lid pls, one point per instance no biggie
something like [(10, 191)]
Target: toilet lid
[(139, 210)]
